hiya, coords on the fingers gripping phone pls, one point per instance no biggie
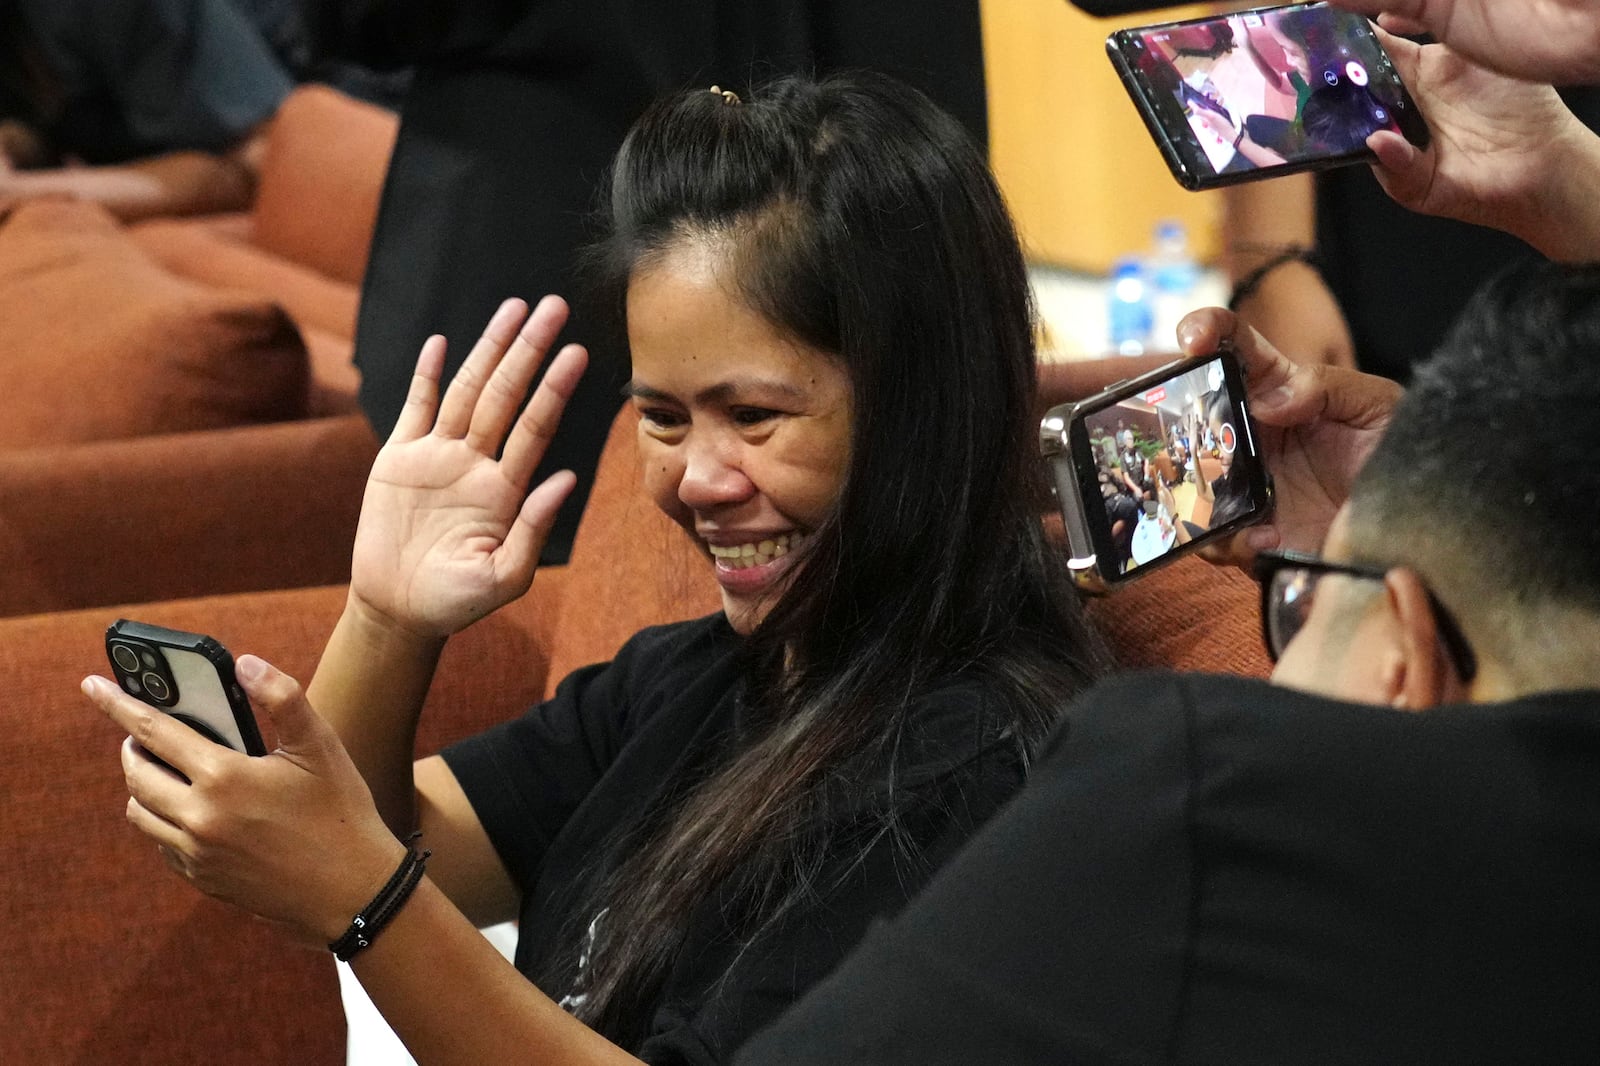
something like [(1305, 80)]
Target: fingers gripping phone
[(1261, 93), (186, 675), (1154, 467)]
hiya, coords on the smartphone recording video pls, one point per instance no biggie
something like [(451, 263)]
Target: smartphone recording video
[(1265, 92), (1155, 467)]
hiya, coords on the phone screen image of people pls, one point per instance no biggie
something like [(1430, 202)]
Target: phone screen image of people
[(1269, 88), (1165, 467)]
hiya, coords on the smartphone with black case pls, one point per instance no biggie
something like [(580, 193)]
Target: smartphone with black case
[(1154, 467), (1262, 93), (186, 675)]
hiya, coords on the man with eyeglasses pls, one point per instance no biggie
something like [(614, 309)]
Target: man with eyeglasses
[(1391, 853)]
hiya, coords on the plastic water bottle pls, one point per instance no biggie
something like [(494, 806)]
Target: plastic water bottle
[(1129, 310), (1173, 276)]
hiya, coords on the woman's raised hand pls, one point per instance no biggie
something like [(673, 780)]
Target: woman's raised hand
[(449, 531)]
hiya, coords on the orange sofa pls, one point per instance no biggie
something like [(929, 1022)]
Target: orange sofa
[(183, 406), (113, 959)]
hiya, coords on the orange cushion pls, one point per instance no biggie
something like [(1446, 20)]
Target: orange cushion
[(321, 177), (1186, 615), (324, 309), (191, 248), (101, 342)]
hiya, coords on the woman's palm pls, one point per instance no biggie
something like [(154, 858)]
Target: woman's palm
[(449, 531), (433, 518)]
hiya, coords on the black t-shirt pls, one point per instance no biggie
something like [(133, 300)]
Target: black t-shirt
[(131, 78), (555, 788), (1214, 870)]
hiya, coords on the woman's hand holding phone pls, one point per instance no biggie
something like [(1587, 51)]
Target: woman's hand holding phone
[(1316, 426), (292, 836), (449, 531)]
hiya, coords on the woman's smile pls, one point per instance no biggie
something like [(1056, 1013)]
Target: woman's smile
[(744, 432)]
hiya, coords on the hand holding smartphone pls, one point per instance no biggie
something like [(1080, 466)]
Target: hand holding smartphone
[(185, 675), (1261, 93), (1153, 468)]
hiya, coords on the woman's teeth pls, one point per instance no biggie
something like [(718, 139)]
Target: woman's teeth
[(740, 556)]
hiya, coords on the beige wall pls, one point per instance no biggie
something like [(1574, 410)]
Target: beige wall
[(1078, 168)]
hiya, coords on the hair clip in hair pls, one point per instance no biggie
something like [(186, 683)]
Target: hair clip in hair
[(729, 97)]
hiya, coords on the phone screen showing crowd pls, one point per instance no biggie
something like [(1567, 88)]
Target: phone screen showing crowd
[(1172, 464)]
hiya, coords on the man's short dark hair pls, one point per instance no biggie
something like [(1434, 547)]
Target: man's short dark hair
[(1487, 481)]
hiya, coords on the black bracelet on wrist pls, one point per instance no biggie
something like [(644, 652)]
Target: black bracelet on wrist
[(385, 905), (1248, 284)]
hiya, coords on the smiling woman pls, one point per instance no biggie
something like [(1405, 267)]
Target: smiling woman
[(744, 433), (833, 367)]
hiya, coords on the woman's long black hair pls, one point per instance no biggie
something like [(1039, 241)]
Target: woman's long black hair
[(861, 220)]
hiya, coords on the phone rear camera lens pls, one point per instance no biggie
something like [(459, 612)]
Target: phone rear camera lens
[(125, 657), (157, 686)]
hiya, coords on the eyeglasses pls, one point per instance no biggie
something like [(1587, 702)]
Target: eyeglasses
[(1288, 589)]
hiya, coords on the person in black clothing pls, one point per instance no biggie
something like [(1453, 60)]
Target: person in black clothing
[(1207, 869), (514, 114), (1135, 470), (163, 99), (695, 832), (287, 27), (1122, 511), (1228, 492), (152, 107)]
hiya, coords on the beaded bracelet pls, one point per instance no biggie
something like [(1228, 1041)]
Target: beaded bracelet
[(1252, 281), (366, 925)]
